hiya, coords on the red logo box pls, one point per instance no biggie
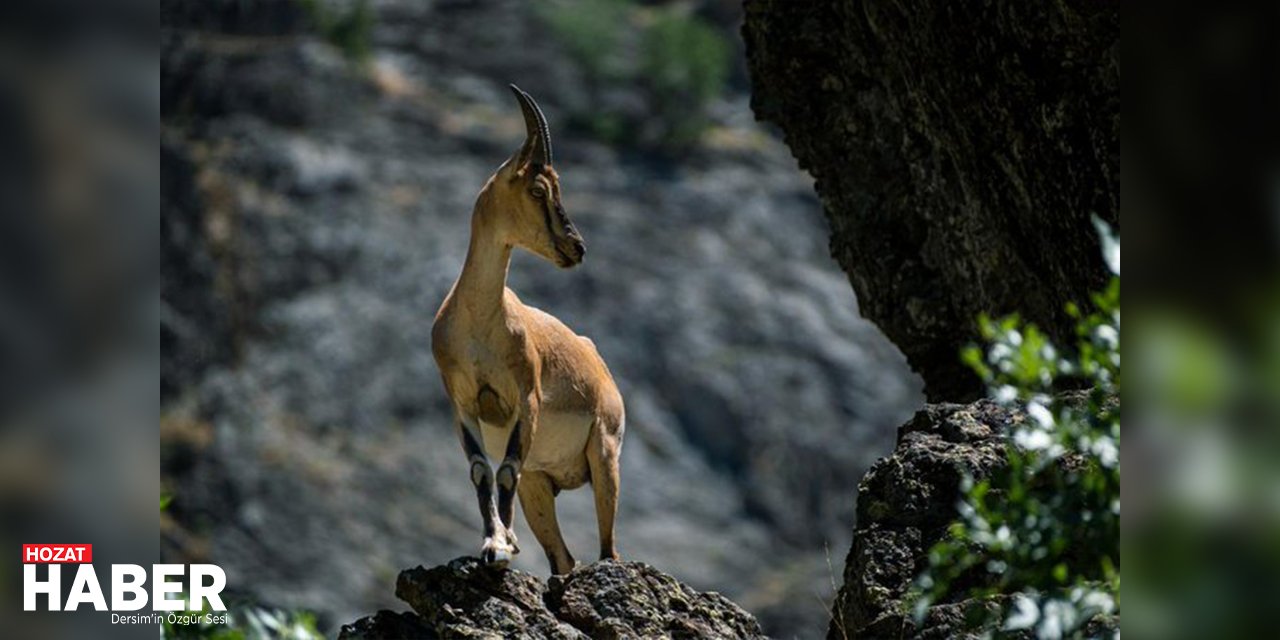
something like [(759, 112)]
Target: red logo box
[(57, 553)]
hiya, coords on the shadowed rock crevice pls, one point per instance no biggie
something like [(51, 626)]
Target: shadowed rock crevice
[(465, 599)]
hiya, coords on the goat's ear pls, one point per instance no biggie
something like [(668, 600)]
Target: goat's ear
[(537, 142)]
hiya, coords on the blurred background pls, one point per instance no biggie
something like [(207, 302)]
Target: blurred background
[(319, 163), (1201, 530)]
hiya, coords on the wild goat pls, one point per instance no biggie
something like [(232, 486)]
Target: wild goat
[(526, 390)]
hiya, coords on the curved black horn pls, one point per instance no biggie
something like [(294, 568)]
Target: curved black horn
[(532, 125), (544, 131), (539, 123)]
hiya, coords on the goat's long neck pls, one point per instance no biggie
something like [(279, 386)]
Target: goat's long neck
[(484, 273)]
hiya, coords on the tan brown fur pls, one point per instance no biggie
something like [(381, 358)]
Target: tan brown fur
[(508, 367)]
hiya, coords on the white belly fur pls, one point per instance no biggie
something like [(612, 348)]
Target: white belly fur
[(561, 440)]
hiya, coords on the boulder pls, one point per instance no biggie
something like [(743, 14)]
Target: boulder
[(466, 599)]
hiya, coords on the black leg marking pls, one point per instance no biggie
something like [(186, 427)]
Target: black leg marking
[(513, 444), (509, 477), (469, 444), (482, 478)]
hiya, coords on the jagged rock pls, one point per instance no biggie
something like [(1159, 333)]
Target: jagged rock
[(388, 624), (906, 502), (959, 151), (465, 599), (634, 600)]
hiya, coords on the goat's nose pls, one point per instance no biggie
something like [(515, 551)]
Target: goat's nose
[(575, 239)]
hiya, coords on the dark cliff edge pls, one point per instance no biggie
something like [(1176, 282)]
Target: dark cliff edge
[(465, 599), (959, 150)]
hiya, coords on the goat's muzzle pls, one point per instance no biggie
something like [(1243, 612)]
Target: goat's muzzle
[(571, 249)]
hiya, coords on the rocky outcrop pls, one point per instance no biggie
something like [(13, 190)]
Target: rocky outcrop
[(959, 152), (905, 503), (465, 599)]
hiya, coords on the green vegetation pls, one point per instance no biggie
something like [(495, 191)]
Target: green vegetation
[(677, 62), (686, 63), (243, 621), (349, 28), (591, 32), (1047, 527), (247, 623)]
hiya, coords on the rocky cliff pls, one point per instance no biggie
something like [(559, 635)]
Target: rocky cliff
[(605, 600), (905, 503), (959, 152)]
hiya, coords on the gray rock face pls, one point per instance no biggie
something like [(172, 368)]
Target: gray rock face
[(329, 204), (959, 153), (197, 330), (606, 600)]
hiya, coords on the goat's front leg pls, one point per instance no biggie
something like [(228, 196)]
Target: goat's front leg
[(509, 479), (518, 443), (496, 548)]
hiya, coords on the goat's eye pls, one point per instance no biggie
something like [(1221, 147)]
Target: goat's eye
[(538, 191)]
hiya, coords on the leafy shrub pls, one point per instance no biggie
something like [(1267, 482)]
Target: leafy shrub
[(1047, 526), (349, 29), (686, 63), (676, 61), (243, 621), (591, 31), (248, 623)]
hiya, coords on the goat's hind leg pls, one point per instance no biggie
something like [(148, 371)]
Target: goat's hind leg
[(538, 500), (604, 448)]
